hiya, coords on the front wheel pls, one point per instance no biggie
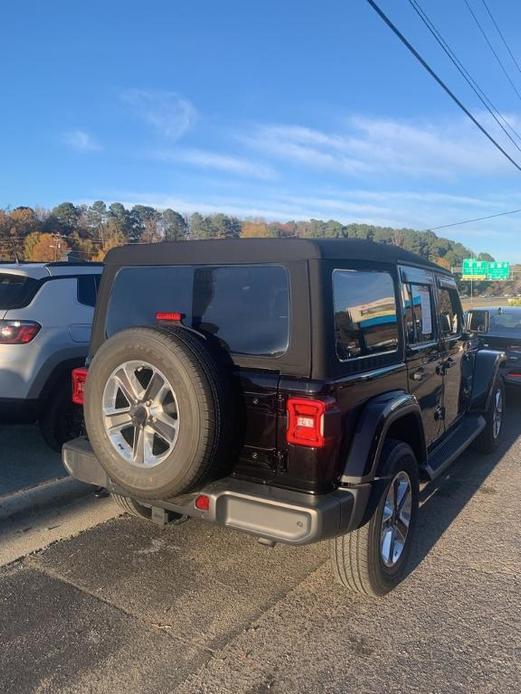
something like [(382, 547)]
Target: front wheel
[(372, 559)]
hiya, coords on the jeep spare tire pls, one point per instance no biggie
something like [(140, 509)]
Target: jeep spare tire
[(157, 410)]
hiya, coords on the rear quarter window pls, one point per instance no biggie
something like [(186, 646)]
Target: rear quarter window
[(246, 307), (366, 317), (16, 291), (88, 289)]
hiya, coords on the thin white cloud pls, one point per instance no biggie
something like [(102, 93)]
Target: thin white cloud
[(443, 150), (81, 141), (167, 112), (220, 162)]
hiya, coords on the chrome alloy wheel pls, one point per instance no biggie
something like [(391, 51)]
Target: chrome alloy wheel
[(140, 414), (396, 519), (497, 417)]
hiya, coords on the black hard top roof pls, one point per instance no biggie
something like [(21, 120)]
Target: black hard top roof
[(261, 250)]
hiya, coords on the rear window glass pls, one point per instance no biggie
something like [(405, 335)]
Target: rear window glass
[(365, 313), (16, 291), (246, 307)]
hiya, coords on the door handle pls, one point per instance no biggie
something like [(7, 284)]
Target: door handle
[(418, 374)]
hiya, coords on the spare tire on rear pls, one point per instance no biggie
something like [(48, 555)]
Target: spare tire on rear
[(158, 411)]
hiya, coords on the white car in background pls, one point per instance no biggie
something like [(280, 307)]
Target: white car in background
[(46, 312)]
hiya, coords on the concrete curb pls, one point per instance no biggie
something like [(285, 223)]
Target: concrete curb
[(35, 499)]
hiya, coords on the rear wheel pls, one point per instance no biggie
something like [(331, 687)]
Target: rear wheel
[(61, 420), (489, 438), (372, 559)]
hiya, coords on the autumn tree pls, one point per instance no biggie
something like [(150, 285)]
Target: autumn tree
[(45, 247), (251, 230)]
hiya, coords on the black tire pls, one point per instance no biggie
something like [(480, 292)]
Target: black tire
[(132, 507), (488, 440), (356, 557), (204, 402), (60, 420)]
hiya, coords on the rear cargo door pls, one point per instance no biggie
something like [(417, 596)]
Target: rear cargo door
[(243, 310)]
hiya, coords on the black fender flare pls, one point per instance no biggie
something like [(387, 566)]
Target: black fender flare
[(487, 365), (373, 424)]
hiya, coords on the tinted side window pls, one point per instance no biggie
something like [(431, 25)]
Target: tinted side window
[(246, 307), (88, 289), (419, 324), (449, 312), (365, 313)]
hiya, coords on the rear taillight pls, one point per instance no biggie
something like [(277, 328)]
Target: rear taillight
[(18, 332), (306, 422), (79, 378)]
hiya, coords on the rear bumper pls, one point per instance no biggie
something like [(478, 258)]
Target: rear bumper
[(272, 513)]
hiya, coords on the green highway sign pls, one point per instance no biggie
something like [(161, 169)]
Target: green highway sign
[(474, 269), (485, 270), (498, 271)]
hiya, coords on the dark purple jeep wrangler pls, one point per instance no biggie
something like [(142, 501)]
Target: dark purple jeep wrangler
[(297, 390)]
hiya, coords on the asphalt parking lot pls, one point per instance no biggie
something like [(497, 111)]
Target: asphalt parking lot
[(126, 606), (25, 460)]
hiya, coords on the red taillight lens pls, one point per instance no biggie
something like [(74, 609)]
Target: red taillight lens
[(306, 422), (79, 378), (170, 316), (18, 332)]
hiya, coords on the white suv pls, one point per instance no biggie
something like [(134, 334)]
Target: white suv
[(46, 311)]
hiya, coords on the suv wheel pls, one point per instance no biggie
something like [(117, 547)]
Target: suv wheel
[(61, 420), (132, 507), (372, 560), (488, 440)]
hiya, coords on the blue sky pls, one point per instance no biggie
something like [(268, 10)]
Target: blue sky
[(284, 110)]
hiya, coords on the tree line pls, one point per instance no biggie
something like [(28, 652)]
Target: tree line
[(90, 231)]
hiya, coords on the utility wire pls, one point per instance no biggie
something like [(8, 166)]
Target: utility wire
[(442, 84), (501, 35), (476, 219), (487, 103), (500, 62)]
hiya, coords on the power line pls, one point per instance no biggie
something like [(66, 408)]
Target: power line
[(476, 219), (442, 84), (501, 35), (487, 103), (500, 62)]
